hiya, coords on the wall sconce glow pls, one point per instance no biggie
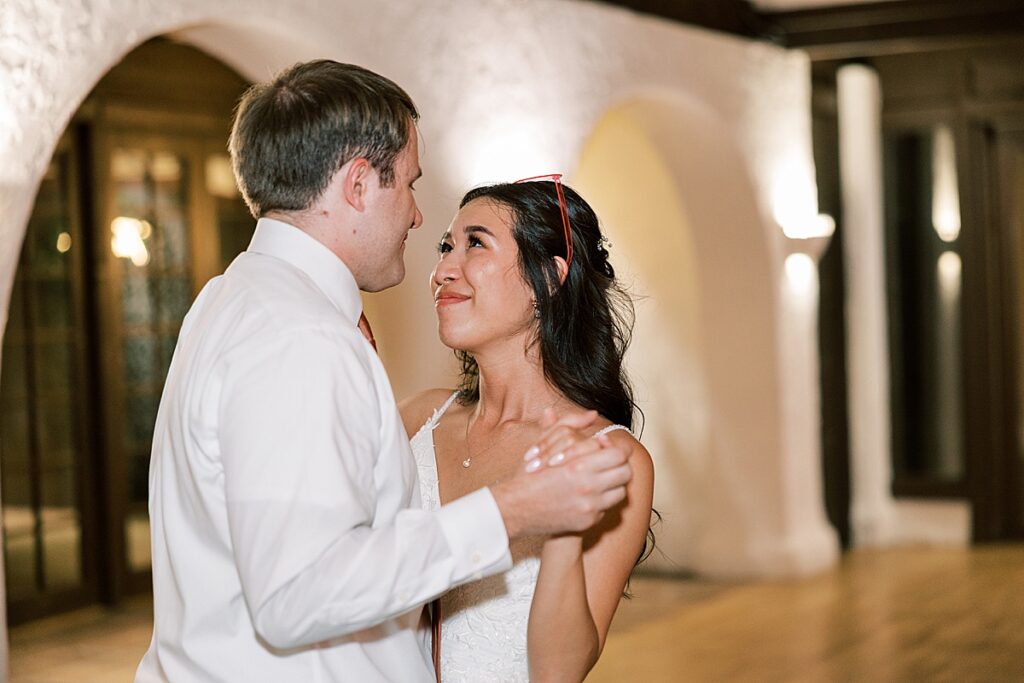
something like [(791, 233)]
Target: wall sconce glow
[(800, 271), (64, 242), (949, 270), (795, 204), (809, 227), (127, 240), (945, 194)]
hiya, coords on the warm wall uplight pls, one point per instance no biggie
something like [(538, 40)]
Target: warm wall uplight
[(64, 242), (504, 150), (800, 271), (949, 271), (795, 203), (945, 195), (128, 238), (809, 227)]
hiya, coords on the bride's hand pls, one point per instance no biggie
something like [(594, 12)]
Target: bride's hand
[(563, 440)]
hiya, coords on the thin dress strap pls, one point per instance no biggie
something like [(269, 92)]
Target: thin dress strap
[(436, 417), (612, 428)]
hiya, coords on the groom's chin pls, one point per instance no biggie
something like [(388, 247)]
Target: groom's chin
[(387, 281)]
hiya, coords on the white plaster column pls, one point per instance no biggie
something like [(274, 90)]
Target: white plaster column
[(860, 163), (810, 541)]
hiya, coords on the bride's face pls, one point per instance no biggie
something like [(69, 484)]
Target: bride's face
[(479, 293)]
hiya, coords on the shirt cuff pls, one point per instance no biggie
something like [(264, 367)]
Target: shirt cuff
[(476, 534)]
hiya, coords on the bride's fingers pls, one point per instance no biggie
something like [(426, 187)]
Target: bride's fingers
[(561, 450), (592, 453), (567, 423), (554, 440), (575, 450), (579, 445)]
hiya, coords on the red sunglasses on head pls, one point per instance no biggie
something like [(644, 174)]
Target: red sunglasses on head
[(556, 178)]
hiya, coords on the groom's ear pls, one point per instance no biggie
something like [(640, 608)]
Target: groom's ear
[(355, 176)]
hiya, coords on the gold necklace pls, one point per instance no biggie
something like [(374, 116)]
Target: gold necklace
[(469, 452), (468, 462)]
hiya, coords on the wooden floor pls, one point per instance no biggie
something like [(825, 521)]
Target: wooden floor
[(893, 615)]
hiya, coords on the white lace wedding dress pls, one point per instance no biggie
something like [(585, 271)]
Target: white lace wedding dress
[(483, 627)]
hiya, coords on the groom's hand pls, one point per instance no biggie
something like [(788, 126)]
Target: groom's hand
[(566, 499)]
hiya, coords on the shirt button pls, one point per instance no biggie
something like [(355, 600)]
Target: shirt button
[(476, 558)]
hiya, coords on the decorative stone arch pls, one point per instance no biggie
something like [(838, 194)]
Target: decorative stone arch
[(710, 365), (48, 86)]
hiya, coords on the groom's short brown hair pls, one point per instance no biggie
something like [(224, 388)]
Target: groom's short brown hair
[(293, 133)]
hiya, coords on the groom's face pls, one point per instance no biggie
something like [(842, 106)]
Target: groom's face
[(395, 213)]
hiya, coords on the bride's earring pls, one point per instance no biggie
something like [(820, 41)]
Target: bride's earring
[(536, 311)]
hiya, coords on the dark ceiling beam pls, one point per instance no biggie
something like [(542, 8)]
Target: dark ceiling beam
[(851, 30), (729, 16), (884, 27)]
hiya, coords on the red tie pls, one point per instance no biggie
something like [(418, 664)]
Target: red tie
[(364, 327)]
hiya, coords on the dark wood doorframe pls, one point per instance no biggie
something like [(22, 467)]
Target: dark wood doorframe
[(997, 479), (990, 328), (835, 438)]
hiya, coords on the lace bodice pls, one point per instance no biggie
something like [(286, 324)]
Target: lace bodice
[(483, 632)]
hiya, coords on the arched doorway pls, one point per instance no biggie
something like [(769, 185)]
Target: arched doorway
[(136, 211), (680, 207)]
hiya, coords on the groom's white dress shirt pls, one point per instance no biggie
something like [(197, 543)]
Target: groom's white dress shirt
[(288, 541)]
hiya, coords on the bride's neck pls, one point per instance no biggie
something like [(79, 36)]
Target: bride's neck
[(513, 387)]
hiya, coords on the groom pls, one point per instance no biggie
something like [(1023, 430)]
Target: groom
[(288, 543)]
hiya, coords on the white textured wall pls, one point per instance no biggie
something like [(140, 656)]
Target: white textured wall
[(510, 88)]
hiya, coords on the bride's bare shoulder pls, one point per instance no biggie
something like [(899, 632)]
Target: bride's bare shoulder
[(639, 457), (416, 409)]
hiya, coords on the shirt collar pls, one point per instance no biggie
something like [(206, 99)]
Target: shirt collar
[(324, 268)]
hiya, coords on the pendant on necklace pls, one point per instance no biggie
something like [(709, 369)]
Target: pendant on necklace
[(466, 462)]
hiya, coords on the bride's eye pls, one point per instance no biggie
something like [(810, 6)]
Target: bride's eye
[(443, 247)]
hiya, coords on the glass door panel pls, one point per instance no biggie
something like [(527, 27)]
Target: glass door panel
[(43, 449), (925, 285), (150, 238)]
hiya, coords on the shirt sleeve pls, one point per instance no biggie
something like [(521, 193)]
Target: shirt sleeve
[(301, 442)]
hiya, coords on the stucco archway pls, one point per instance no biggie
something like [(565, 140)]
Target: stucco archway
[(678, 201)]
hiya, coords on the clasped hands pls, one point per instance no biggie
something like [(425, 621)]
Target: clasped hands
[(570, 479)]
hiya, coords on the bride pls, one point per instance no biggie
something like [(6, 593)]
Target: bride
[(526, 296)]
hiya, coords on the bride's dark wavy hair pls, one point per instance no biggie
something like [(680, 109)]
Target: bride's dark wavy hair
[(585, 324)]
